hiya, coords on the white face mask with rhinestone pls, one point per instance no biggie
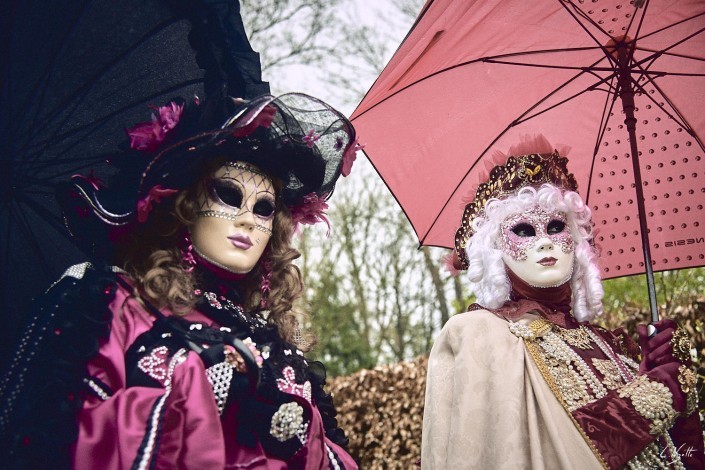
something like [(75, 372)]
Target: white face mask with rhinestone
[(235, 217), (538, 247)]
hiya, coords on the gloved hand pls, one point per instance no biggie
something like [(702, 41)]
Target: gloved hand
[(658, 361), (656, 350)]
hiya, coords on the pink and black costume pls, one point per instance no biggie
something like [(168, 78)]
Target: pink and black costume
[(104, 379), (146, 399), (154, 402)]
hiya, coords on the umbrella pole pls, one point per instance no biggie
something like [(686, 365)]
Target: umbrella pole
[(626, 94)]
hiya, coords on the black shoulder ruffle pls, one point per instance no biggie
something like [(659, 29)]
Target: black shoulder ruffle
[(41, 392), (324, 401)]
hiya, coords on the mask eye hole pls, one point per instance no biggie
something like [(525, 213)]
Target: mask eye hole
[(227, 194), (555, 226), (264, 208), (524, 230)]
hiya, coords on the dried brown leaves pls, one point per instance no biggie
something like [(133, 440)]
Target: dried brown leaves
[(381, 411)]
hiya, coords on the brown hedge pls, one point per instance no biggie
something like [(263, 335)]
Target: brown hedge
[(381, 410)]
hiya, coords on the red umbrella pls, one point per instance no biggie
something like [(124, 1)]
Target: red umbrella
[(472, 76)]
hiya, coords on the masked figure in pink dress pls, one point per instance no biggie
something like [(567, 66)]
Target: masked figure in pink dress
[(182, 343), (523, 379), (189, 350)]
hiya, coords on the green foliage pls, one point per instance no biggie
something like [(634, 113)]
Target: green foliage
[(341, 343), (673, 289), (375, 298)]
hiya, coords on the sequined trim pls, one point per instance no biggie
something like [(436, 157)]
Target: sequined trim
[(149, 442), (230, 217), (154, 365), (77, 271), (516, 246), (653, 401), (538, 358), (220, 302), (244, 166), (288, 384), (220, 375)]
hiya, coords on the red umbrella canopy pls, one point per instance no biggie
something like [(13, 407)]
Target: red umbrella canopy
[(473, 76)]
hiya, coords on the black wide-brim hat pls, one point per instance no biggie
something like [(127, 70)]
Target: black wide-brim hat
[(295, 137)]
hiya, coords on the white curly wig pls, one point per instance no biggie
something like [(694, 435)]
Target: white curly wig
[(486, 271)]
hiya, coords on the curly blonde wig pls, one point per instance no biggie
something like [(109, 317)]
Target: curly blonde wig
[(152, 256)]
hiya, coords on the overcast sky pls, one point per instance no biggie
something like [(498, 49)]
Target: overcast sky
[(383, 17)]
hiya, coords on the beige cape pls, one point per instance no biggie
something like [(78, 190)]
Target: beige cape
[(487, 405)]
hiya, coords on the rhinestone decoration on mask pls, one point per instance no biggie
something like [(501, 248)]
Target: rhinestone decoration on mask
[(240, 174), (504, 180), (516, 246)]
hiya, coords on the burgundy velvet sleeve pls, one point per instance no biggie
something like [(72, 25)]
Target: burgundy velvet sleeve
[(687, 435), (616, 429)]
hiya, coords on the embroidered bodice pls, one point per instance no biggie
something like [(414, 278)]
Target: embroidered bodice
[(590, 372)]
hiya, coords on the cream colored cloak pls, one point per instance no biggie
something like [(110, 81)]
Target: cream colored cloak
[(487, 405)]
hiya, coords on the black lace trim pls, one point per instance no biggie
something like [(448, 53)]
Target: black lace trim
[(324, 401)]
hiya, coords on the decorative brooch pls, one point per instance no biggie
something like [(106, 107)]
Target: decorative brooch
[(288, 421), (652, 400), (688, 381), (681, 345)]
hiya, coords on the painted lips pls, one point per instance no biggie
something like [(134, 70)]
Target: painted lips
[(240, 241), (547, 261)]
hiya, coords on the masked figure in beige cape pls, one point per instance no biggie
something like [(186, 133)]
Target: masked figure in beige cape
[(523, 379)]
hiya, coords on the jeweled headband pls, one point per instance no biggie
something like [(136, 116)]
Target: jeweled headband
[(505, 180)]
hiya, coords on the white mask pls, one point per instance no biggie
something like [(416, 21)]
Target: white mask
[(538, 247), (235, 217)]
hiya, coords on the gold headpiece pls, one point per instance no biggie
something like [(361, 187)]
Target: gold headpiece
[(505, 180)]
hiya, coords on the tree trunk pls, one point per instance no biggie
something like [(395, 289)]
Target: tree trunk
[(434, 270)]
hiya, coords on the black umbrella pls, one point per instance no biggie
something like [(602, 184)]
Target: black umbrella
[(75, 73)]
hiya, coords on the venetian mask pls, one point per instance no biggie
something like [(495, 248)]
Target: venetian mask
[(538, 247), (235, 217)]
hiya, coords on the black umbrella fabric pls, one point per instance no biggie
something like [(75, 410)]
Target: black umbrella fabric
[(75, 74)]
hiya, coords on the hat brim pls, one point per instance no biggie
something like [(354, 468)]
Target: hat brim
[(303, 145)]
